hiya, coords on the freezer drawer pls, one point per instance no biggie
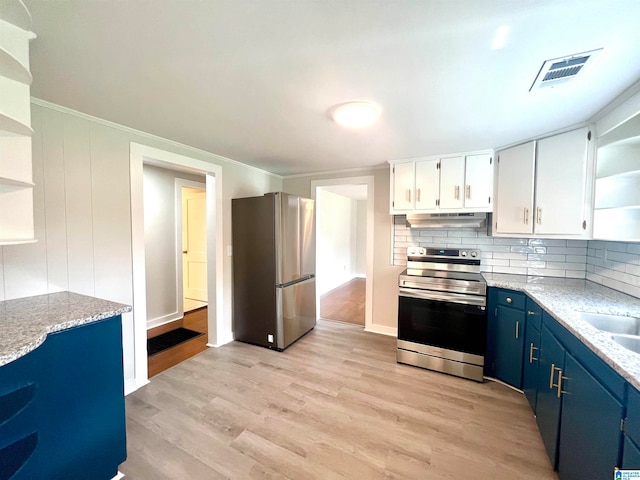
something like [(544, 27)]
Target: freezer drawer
[(295, 311)]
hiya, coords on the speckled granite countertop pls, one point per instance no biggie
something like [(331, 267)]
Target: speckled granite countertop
[(25, 322), (565, 298)]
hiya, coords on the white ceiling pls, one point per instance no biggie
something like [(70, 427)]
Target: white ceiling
[(253, 80)]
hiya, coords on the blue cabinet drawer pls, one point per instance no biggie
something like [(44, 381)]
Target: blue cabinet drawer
[(534, 314), (509, 298)]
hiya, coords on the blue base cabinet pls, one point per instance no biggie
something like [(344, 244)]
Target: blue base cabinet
[(531, 359), (590, 435), (631, 449), (505, 339), (549, 399), (62, 407)]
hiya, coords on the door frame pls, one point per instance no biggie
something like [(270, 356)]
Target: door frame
[(369, 181), (139, 155), (181, 182)]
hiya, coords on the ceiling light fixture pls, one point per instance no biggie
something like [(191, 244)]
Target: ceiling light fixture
[(356, 114)]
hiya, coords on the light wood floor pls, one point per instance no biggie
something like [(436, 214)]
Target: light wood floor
[(195, 320), (334, 405), (345, 303)]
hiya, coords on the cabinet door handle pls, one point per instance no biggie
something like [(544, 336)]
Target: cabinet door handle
[(417, 195), (408, 194), (509, 300), (560, 379), (538, 215), (531, 349), (526, 216), (468, 188), (529, 312), (456, 192), (517, 330), (551, 384)]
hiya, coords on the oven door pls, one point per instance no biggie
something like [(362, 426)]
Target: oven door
[(439, 319)]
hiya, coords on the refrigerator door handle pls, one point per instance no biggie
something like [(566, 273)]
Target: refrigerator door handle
[(304, 278)]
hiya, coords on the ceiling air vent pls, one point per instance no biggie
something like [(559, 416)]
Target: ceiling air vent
[(563, 69)]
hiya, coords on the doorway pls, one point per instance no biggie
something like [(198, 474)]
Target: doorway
[(193, 228), (218, 330), (344, 248)]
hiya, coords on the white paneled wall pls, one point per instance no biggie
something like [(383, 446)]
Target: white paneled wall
[(615, 265), (533, 256)]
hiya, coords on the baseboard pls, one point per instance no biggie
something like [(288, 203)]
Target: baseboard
[(118, 476), (360, 275), (132, 384), (157, 322), (383, 330)]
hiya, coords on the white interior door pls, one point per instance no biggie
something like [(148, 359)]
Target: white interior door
[(194, 243)]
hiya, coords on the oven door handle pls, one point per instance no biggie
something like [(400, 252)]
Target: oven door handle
[(478, 300)]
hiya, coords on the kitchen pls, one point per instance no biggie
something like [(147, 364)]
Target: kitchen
[(83, 208)]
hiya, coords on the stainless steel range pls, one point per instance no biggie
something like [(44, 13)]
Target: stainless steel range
[(442, 313)]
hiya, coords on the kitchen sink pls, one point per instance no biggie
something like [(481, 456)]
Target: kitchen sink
[(630, 342), (616, 324)]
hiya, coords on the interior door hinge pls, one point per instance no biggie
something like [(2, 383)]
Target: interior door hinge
[(438, 167), (498, 159)]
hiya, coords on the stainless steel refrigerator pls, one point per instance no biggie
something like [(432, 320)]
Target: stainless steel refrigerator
[(274, 285)]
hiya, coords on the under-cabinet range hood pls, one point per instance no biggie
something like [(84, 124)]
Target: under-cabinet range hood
[(446, 220)]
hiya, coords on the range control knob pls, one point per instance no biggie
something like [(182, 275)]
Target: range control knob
[(474, 253), (463, 253)]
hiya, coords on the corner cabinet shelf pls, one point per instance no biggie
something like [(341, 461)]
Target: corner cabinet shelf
[(617, 192), (16, 186)]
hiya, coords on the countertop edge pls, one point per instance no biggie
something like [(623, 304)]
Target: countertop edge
[(32, 332)]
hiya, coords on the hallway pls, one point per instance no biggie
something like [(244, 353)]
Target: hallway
[(345, 303)]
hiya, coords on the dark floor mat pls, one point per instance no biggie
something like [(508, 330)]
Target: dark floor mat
[(170, 339)]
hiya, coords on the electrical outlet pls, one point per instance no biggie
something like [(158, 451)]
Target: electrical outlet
[(270, 338)]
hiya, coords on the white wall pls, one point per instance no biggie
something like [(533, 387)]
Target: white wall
[(82, 210), (336, 240), (160, 243)]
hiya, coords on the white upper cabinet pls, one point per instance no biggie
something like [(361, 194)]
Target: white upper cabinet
[(454, 184), (427, 184), (478, 181), (403, 186), (514, 200), (544, 187), (561, 183)]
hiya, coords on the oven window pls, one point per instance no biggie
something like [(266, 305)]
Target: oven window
[(443, 324)]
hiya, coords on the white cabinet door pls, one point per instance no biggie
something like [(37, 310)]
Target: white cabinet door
[(561, 181), (452, 182), (403, 183), (427, 184), (478, 188), (514, 208)]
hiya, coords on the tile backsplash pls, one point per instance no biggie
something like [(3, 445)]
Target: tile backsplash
[(613, 264), (524, 256)]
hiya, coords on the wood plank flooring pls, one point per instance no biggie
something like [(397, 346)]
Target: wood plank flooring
[(334, 405), (195, 320), (345, 303)]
